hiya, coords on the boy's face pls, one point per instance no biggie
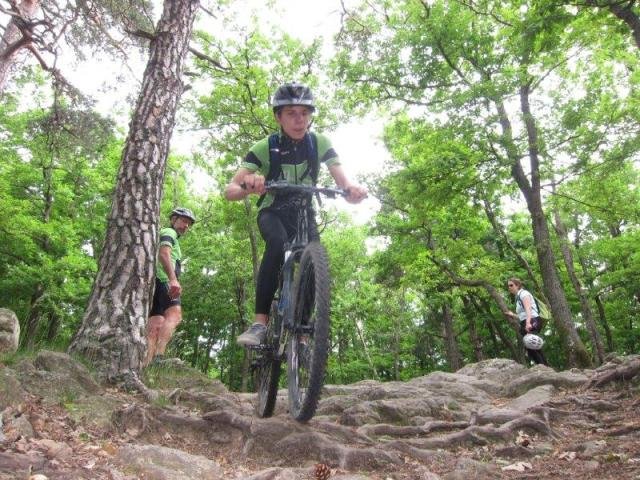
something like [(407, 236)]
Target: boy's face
[(294, 120)]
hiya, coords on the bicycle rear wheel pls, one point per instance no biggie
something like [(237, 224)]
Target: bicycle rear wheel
[(308, 347), (267, 367)]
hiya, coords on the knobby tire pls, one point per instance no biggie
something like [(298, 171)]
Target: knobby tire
[(267, 369), (312, 308)]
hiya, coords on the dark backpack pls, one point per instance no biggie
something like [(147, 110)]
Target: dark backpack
[(275, 161)]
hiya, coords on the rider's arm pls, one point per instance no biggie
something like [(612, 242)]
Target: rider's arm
[(243, 183), (355, 192), (164, 257)]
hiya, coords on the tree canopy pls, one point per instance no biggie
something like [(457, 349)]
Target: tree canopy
[(512, 135)]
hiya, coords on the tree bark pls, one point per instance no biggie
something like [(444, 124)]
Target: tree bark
[(502, 234), (476, 342), (585, 308), (624, 11), (14, 39), (113, 326), (576, 352), (588, 276), (451, 342)]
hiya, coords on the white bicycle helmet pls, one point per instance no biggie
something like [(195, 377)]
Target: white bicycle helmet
[(533, 342)]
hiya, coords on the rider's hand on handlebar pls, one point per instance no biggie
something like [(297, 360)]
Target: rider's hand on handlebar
[(253, 183), (355, 193)]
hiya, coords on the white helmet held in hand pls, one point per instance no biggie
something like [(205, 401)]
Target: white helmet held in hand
[(532, 342)]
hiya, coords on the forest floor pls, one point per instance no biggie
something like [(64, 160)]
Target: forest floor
[(586, 445)]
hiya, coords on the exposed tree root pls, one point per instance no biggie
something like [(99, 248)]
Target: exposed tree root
[(137, 420), (623, 373), (482, 435), (232, 419), (131, 419), (130, 382), (619, 432), (410, 431)]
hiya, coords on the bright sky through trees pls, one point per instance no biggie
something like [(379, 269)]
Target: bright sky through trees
[(114, 85)]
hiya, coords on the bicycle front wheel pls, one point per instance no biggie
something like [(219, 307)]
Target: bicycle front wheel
[(308, 347), (267, 367)]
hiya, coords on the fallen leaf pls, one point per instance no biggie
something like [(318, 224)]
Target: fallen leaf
[(518, 466), (568, 456)]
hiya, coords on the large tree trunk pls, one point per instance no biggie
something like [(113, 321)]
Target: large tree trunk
[(112, 330), (14, 39)]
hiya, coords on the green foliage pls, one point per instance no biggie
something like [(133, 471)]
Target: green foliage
[(55, 187), (452, 220), (452, 74)]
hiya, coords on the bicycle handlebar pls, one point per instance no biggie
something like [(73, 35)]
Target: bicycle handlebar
[(281, 186)]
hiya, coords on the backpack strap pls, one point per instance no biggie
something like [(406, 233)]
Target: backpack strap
[(313, 167), (275, 162), (535, 301)]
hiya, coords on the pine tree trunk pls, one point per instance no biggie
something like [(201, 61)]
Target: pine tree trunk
[(112, 334), (13, 40)]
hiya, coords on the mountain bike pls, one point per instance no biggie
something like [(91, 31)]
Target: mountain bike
[(298, 329)]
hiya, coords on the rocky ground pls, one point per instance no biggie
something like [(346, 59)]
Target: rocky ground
[(490, 420)]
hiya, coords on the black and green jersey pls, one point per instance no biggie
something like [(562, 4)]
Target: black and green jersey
[(295, 158), (169, 237)]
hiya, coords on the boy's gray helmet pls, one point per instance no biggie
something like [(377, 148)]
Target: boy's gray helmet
[(293, 93), (182, 212)]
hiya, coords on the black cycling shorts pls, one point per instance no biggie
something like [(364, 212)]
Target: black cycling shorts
[(161, 300)]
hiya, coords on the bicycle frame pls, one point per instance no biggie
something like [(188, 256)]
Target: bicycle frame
[(292, 252), (301, 254)]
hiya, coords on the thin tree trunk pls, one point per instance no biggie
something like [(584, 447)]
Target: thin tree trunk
[(451, 342), (476, 343), (605, 325), (33, 318), (53, 326), (576, 352), (502, 234), (367, 355), (40, 291), (517, 349), (588, 276), (241, 298), (253, 239), (112, 334), (585, 308), (624, 11)]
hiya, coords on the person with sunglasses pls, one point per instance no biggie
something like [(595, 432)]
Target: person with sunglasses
[(530, 322)]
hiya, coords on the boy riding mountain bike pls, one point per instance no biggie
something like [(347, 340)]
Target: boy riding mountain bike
[(294, 155)]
